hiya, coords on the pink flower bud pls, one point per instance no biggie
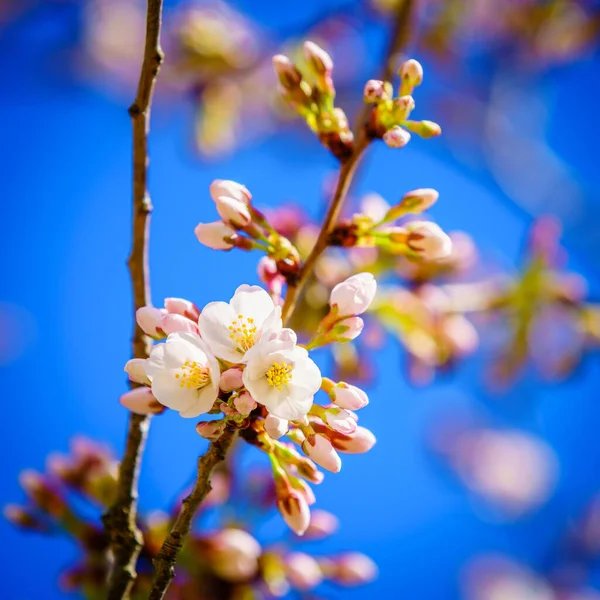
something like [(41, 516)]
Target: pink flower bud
[(288, 74), (294, 510), (303, 571), (354, 295), (320, 62), (185, 308), (229, 189), (234, 555), (412, 71), (150, 320), (374, 91), (233, 211), (359, 442), (396, 137), (304, 489), (319, 448), (173, 323), (428, 240), (231, 379), (136, 369), (210, 430), (213, 235), (340, 420), (461, 335), (355, 568), (244, 403), (348, 396), (267, 269), (348, 329), (322, 524), (276, 427), (141, 401), (418, 200)]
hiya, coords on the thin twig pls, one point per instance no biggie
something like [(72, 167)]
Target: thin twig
[(164, 563), (399, 38), (120, 521)]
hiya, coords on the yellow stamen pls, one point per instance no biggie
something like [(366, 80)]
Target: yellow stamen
[(279, 374), (192, 375), (243, 333)]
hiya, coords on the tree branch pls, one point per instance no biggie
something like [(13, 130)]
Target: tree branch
[(120, 521), (399, 39), (166, 558)]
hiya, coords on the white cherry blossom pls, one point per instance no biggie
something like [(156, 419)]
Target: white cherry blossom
[(184, 374), (232, 328), (281, 376)]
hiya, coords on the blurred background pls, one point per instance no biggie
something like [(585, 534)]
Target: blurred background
[(485, 481)]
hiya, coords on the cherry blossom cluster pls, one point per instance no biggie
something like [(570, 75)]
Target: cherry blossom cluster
[(312, 95), (390, 117), (236, 359), (67, 495)]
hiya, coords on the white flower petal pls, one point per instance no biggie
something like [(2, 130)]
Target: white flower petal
[(254, 302), (286, 407), (214, 324), (167, 391), (203, 402)]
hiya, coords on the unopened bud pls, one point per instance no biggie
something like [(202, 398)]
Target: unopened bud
[(231, 379), (319, 61), (288, 74), (322, 524), (210, 430), (294, 510), (425, 129), (403, 106), (136, 369), (319, 448), (375, 91), (215, 235), (348, 329), (183, 307), (396, 137), (234, 555), (230, 189), (172, 323), (141, 401), (150, 319), (416, 201), (354, 569), (303, 571), (244, 403), (348, 396), (276, 427), (428, 240), (411, 72), (340, 420), (233, 211), (354, 295)]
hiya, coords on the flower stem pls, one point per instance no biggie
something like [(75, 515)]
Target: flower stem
[(398, 40), (164, 563), (125, 539)]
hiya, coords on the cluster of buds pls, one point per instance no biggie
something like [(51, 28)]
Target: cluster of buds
[(69, 496), (243, 226), (237, 360), (390, 115), (417, 240), (312, 95)]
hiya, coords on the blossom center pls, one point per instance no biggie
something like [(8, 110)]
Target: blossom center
[(279, 374), (192, 375), (243, 332)]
